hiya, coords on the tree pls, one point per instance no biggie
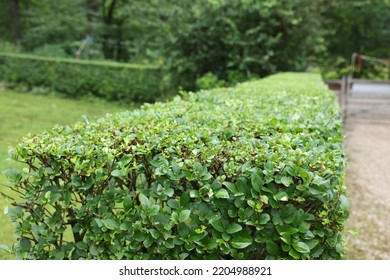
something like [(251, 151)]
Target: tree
[(108, 8), (355, 26), (92, 11), (52, 27), (15, 21), (246, 37)]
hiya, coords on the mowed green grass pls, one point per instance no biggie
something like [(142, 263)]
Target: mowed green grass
[(24, 113)]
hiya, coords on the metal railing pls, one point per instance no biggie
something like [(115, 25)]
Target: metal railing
[(344, 89)]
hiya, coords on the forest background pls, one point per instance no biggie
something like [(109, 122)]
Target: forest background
[(204, 42)]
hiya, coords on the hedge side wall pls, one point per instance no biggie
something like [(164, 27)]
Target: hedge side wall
[(76, 78), (250, 172)]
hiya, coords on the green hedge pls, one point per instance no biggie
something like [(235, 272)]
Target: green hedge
[(250, 172), (76, 78)]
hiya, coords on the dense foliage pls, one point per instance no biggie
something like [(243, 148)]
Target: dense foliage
[(77, 78), (233, 40), (250, 172), (356, 26)]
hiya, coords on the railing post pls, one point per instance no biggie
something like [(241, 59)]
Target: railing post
[(346, 82)]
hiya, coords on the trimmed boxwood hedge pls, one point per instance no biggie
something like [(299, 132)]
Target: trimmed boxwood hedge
[(250, 172), (77, 78)]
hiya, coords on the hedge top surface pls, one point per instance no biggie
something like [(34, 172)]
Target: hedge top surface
[(250, 172), (286, 105), (277, 109), (80, 61)]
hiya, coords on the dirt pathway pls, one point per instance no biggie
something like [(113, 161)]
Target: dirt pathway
[(367, 144)]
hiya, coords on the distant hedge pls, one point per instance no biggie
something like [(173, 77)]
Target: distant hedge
[(250, 172), (76, 78)]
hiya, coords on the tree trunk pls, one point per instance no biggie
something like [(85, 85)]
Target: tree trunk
[(108, 19), (92, 9), (15, 21)]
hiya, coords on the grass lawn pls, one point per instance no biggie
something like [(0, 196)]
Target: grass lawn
[(23, 113)]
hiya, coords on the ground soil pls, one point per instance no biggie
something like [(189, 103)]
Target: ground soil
[(367, 144)]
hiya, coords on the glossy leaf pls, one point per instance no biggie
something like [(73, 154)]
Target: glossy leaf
[(257, 182), (222, 193), (241, 241), (217, 224), (233, 228), (301, 247)]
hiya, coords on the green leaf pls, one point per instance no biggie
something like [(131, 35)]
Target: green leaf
[(226, 237), (48, 195), (269, 168), (217, 224), (82, 246), (144, 201), (175, 217), (58, 254), (344, 203), (6, 210), (286, 247), (242, 241), (257, 182), (272, 248), (222, 193), (233, 228), (183, 256), (301, 247), (185, 199), (154, 233), (13, 174), (148, 242), (232, 212), (153, 210), (281, 196), (316, 190), (287, 228), (294, 254), (194, 194), (169, 192), (264, 218), (55, 197), (118, 173), (286, 238), (128, 202), (232, 187), (90, 182), (111, 224), (212, 244), (93, 250), (286, 181), (173, 203), (99, 222), (184, 215), (276, 219), (25, 244), (312, 243)]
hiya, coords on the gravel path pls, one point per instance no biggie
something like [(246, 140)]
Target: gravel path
[(367, 143)]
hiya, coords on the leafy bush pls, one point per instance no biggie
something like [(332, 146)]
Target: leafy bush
[(209, 81), (56, 50), (250, 172), (248, 37), (76, 78), (8, 47)]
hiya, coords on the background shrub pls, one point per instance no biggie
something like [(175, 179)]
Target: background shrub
[(250, 172), (209, 81), (76, 78)]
